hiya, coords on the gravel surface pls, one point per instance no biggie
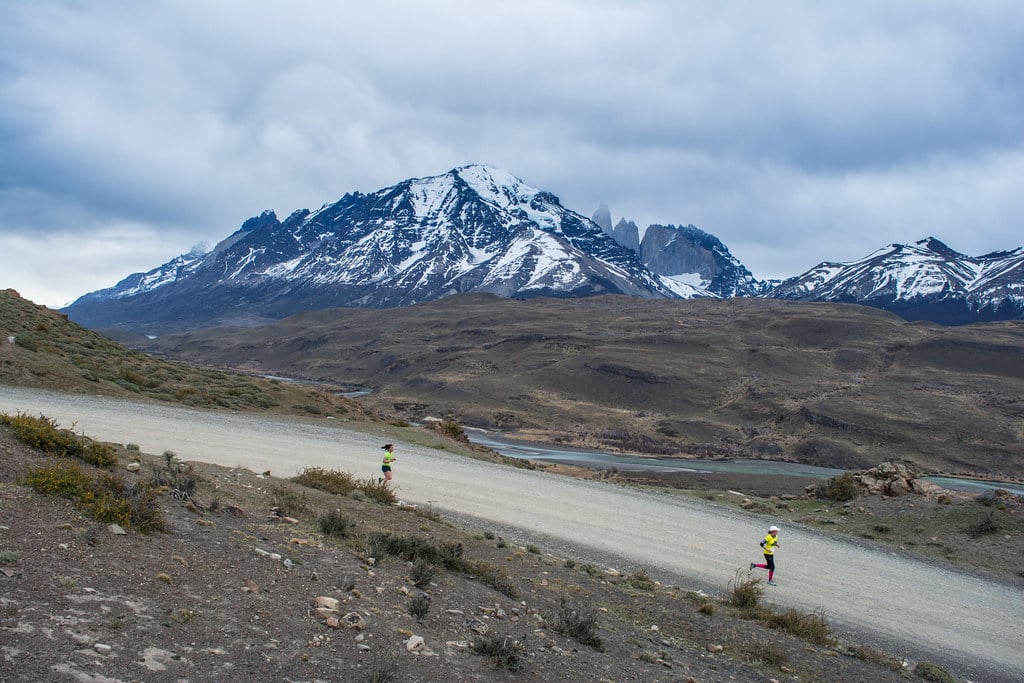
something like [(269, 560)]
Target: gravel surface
[(970, 625)]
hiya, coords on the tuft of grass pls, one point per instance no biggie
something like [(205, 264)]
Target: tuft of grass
[(640, 580), (984, 527), (422, 573), (334, 523), (745, 592), (412, 548), (811, 627), (579, 623), (289, 502), (332, 481), (8, 557), (532, 549), (175, 475), (933, 673), (504, 650), (707, 608), (869, 654), (494, 577), (767, 653), (378, 491), (383, 671), (419, 607)]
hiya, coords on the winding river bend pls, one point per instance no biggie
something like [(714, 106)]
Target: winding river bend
[(636, 463)]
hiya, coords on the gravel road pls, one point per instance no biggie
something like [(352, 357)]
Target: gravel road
[(971, 626)]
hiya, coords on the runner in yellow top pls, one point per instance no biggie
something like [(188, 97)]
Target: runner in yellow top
[(389, 457), (770, 543)]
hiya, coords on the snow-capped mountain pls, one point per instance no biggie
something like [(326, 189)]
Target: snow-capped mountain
[(922, 281), (473, 229), (479, 229)]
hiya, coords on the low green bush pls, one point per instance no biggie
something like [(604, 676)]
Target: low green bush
[(869, 654), (412, 548), (107, 498), (26, 341), (98, 454), (933, 673), (62, 478), (41, 433)]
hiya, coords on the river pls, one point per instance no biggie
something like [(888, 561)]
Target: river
[(638, 463)]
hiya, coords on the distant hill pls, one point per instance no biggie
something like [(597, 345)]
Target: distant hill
[(829, 384)]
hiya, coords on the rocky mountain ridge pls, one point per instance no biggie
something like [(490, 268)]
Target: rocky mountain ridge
[(482, 230)]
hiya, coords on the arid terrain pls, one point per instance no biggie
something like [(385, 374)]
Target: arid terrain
[(227, 589), (833, 385)]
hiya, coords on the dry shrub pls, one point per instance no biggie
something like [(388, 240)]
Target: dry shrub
[(579, 623), (504, 650), (331, 481), (745, 592), (811, 627), (334, 523)]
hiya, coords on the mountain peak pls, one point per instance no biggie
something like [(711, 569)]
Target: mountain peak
[(478, 228)]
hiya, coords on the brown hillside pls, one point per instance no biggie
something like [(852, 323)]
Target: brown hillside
[(836, 385)]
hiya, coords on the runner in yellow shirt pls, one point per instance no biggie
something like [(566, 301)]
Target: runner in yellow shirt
[(770, 543)]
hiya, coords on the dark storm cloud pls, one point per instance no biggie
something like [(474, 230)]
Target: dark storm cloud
[(770, 125)]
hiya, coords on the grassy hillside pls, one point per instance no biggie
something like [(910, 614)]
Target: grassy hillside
[(40, 348), (836, 385)]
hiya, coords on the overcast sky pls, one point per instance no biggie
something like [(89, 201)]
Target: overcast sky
[(795, 132)]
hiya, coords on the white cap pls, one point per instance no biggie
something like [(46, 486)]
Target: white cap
[(773, 528)]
